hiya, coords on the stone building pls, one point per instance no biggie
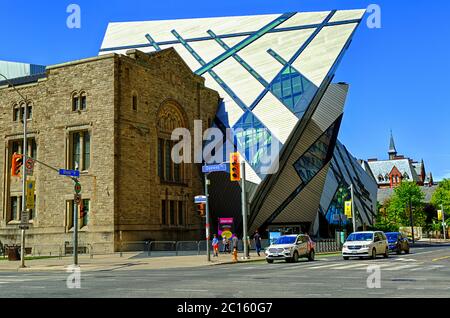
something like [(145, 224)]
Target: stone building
[(110, 117)]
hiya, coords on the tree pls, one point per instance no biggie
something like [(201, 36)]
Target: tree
[(406, 195), (442, 196)]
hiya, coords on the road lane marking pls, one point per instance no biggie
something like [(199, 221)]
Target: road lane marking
[(191, 290), (396, 268), (323, 266), (351, 266), (440, 258)]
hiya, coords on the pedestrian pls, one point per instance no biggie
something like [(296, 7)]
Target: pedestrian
[(215, 245), (257, 239), (224, 244), (234, 242)]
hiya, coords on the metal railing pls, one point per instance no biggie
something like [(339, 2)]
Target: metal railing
[(327, 246)]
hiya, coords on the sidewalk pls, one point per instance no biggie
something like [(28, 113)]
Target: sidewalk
[(127, 262)]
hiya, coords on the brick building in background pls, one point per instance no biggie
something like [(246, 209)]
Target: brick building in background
[(111, 117)]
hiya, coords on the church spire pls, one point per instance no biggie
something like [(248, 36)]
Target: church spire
[(392, 151)]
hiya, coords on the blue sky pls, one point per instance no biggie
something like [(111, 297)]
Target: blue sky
[(398, 74)]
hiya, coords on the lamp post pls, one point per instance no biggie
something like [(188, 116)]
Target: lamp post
[(24, 174)]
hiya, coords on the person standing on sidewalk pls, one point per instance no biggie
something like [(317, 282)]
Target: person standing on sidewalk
[(257, 239), (215, 245), (234, 243)]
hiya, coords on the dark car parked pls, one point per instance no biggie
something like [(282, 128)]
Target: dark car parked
[(398, 242)]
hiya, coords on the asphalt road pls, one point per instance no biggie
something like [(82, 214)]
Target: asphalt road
[(423, 273)]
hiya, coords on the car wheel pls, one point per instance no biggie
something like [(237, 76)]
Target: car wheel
[(311, 256), (374, 254), (270, 261), (386, 253), (346, 258), (295, 257)]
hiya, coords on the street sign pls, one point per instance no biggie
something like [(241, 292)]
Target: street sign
[(200, 199), (31, 185), (29, 164), (77, 198), (348, 209), (214, 168), (69, 173), (24, 217), (77, 188)]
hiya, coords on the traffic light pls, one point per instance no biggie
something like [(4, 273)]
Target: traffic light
[(17, 163), (201, 209), (235, 167)]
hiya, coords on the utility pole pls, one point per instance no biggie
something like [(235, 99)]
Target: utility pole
[(353, 208), (24, 173), (411, 220), (443, 221), (244, 210), (207, 218)]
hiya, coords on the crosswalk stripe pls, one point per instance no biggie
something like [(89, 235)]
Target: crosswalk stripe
[(354, 266), (323, 266), (396, 268)]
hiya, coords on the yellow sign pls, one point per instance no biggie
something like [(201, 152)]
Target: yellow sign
[(30, 194), (439, 215), (348, 209)]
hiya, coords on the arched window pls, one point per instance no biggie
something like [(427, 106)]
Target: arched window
[(79, 101), (170, 116)]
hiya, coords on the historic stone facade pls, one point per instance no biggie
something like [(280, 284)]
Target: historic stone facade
[(111, 117)]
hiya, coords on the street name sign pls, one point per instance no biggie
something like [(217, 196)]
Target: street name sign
[(69, 173), (214, 168), (200, 199)]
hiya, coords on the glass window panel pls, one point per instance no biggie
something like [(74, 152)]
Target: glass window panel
[(163, 212), (29, 112), (172, 212), (180, 213), (87, 151), (75, 103), (14, 208), (83, 105), (85, 216), (161, 158), (76, 151), (168, 162)]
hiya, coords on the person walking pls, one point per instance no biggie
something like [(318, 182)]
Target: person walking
[(224, 244), (215, 245), (234, 242), (257, 239)]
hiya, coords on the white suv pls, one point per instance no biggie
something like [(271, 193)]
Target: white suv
[(290, 248), (369, 244)]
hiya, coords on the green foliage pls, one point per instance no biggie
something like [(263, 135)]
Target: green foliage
[(442, 196), (386, 226), (407, 195)]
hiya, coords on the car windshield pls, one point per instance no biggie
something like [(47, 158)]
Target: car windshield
[(360, 237), (285, 240), (392, 236)]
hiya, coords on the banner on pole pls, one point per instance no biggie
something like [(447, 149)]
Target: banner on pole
[(348, 209)]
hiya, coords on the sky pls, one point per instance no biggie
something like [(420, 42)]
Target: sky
[(398, 74)]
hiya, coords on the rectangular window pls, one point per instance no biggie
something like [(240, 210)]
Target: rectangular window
[(29, 112), (14, 208), (163, 212), (172, 213), (16, 114), (33, 153), (161, 158), (86, 151), (168, 161), (80, 151), (135, 103), (180, 213), (76, 150), (84, 215)]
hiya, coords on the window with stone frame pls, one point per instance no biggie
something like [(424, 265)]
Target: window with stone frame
[(80, 150), (170, 117), (79, 101), (19, 111), (134, 102), (173, 213), (15, 206), (81, 211)]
